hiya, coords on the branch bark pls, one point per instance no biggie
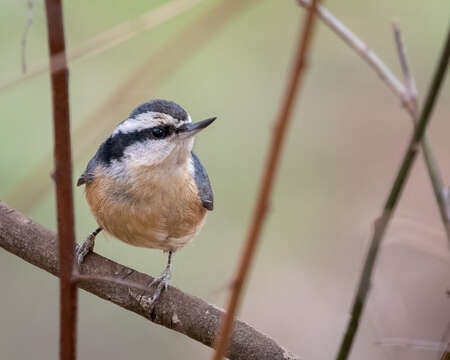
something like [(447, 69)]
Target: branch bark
[(175, 310)]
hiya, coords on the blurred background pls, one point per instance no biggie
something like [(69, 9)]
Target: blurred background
[(231, 59)]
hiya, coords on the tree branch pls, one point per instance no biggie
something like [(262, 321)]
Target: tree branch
[(175, 310)]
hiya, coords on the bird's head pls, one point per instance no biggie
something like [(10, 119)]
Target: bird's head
[(156, 133)]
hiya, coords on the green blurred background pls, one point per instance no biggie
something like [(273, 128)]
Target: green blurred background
[(231, 59)]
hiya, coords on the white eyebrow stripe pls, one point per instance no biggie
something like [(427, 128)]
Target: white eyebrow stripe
[(145, 121), (140, 122)]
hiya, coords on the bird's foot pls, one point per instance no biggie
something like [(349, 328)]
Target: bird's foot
[(161, 282), (81, 250), (85, 247)]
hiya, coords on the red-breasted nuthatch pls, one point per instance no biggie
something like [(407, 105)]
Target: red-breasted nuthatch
[(145, 186)]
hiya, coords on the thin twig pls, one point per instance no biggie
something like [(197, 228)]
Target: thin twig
[(267, 181), (28, 24), (175, 310), (416, 344), (386, 75), (430, 161), (391, 202), (410, 83), (63, 178), (114, 36), (361, 49)]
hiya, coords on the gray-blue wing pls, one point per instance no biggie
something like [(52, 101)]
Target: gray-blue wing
[(202, 181), (88, 174)]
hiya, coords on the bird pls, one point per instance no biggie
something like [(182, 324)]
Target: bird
[(146, 187)]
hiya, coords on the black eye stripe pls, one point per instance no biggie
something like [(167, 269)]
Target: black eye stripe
[(114, 147)]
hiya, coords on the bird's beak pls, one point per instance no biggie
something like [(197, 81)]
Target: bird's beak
[(188, 130)]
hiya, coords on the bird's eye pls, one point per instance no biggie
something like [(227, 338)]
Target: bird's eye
[(159, 132)]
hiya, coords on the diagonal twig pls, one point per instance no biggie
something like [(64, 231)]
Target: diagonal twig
[(29, 22), (175, 310), (392, 200), (409, 82), (417, 344), (400, 90), (430, 161), (361, 49), (63, 178), (266, 185)]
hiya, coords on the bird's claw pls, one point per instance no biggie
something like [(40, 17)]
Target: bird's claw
[(84, 248), (161, 283)]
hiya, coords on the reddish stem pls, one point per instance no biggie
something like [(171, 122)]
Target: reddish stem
[(266, 186), (63, 178)]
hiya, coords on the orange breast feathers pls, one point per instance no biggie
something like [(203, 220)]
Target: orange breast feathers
[(149, 210)]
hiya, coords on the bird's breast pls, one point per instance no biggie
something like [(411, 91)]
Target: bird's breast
[(149, 210)]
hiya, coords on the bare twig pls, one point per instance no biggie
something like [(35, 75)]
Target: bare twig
[(175, 310), (63, 179), (412, 344), (410, 83), (266, 185), (430, 161), (391, 202), (114, 36), (137, 87), (361, 49), (398, 89), (28, 23)]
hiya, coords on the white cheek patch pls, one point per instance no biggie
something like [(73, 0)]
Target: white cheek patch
[(145, 153), (149, 152)]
